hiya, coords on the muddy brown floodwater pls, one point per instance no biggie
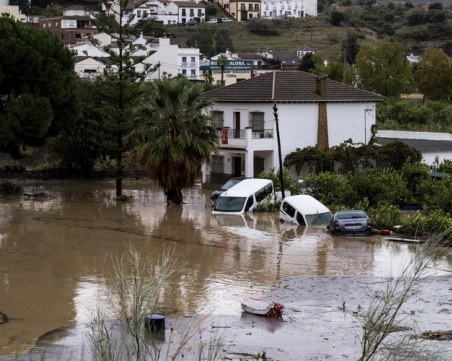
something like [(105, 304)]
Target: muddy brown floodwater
[(55, 254)]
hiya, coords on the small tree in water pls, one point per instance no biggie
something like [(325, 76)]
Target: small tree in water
[(171, 135), (385, 312)]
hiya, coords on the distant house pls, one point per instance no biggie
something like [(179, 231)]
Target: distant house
[(172, 59), (244, 10), (277, 9), (305, 50), (70, 29), (88, 67), (14, 12), (433, 146), (312, 111)]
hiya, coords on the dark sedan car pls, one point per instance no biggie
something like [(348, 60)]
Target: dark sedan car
[(350, 222), (231, 182)]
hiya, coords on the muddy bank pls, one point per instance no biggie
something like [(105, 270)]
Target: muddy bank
[(319, 323)]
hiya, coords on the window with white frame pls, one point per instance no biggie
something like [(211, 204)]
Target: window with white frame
[(257, 121), (217, 118), (217, 164)]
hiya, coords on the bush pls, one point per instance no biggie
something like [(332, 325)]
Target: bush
[(425, 225), (261, 27), (9, 188), (436, 194), (328, 188), (385, 185), (336, 17), (211, 10), (385, 216)]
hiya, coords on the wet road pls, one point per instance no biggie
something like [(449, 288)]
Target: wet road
[(55, 254)]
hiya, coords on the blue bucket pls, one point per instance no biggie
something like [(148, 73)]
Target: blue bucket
[(154, 322)]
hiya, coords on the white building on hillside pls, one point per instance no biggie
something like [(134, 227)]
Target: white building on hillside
[(277, 9), (171, 59)]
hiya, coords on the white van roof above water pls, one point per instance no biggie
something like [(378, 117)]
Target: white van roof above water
[(246, 187), (306, 204)]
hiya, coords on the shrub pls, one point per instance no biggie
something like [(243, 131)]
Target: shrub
[(336, 17), (423, 226), (385, 185), (328, 188), (9, 188), (261, 27), (436, 194), (290, 184), (385, 215), (211, 10)]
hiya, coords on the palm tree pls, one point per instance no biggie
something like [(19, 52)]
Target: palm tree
[(171, 136), (222, 62)]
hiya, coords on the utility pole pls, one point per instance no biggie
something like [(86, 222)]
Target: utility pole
[(281, 175)]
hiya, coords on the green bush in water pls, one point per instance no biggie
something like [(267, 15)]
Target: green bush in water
[(422, 225), (8, 188)]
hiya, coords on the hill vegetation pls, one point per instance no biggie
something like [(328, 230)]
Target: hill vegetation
[(418, 27)]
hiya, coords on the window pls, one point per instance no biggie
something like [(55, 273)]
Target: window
[(78, 36), (217, 164), (288, 209), (199, 12), (193, 59), (250, 7), (193, 72), (192, 12), (138, 13), (184, 13), (256, 7), (184, 71), (257, 121), (217, 119)]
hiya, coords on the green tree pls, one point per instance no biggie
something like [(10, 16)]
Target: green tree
[(434, 75), (350, 48), (37, 84), (171, 136), (79, 143), (121, 81), (307, 63), (223, 41), (53, 10), (383, 68)]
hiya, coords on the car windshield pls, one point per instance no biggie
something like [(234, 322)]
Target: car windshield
[(319, 218), (230, 183), (351, 215), (230, 204)]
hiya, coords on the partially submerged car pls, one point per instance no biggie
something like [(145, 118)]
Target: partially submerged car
[(245, 196), (352, 222), (230, 183), (304, 210)]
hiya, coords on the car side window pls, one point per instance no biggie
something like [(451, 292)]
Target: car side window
[(249, 203), (260, 195), (288, 209)]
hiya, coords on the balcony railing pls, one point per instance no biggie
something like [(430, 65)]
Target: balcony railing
[(241, 133)]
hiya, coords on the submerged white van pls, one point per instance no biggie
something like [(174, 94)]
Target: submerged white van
[(304, 210), (245, 196)]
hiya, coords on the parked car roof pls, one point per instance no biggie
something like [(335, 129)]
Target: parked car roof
[(306, 204)]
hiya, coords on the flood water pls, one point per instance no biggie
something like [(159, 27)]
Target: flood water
[(56, 253)]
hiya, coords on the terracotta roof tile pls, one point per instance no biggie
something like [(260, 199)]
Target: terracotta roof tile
[(290, 86)]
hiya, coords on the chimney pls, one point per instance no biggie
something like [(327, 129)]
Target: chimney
[(320, 85)]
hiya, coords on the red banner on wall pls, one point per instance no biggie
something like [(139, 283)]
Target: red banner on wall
[(224, 136)]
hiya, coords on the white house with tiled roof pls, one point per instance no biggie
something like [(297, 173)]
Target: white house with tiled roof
[(277, 9), (311, 110)]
